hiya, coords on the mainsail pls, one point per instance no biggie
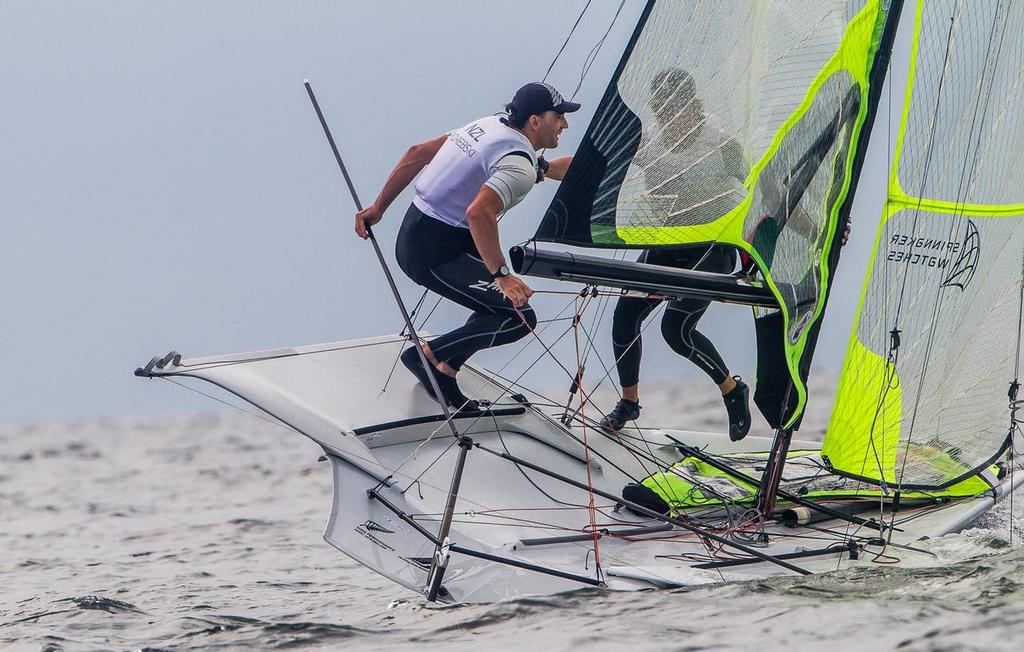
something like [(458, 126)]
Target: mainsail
[(732, 123), (922, 401)]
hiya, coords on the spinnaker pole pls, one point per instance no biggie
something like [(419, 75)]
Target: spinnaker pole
[(438, 564)]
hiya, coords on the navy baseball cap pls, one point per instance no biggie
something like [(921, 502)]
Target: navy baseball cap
[(535, 98)]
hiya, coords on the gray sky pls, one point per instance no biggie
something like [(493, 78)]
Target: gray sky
[(164, 183)]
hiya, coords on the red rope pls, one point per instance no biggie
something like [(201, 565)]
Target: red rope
[(591, 507), (584, 399)]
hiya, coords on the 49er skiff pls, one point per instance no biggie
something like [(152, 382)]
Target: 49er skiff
[(527, 496)]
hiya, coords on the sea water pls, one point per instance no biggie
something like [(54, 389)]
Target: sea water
[(204, 531)]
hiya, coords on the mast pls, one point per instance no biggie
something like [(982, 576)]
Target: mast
[(768, 490)]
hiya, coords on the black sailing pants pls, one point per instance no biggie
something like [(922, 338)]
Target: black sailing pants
[(443, 259), (679, 323)]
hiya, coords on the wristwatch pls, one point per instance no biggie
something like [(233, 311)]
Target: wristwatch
[(502, 272)]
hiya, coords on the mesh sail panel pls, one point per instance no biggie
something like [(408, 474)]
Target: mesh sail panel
[(930, 409), (734, 123)]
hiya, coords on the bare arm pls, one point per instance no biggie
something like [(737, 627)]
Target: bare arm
[(482, 216), (412, 162), (558, 167)]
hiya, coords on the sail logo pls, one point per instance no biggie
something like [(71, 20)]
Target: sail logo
[(374, 526), (959, 258), (930, 252), (967, 262), (367, 529)]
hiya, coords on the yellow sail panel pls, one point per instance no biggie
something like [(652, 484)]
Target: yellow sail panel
[(940, 311), (744, 132), (867, 414), (692, 483)]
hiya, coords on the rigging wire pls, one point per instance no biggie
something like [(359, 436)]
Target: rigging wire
[(282, 425), (960, 194), (444, 423), (586, 454), (682, 537), (592, 57), (585, 70), (584, 399), (893, 352), (650, 456), (566, 42), (1014, 425), (895, 341)]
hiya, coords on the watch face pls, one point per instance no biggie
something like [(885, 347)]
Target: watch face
[(503, 270)]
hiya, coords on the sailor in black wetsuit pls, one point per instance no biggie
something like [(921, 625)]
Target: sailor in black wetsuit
[(448, 242), (693, 174)]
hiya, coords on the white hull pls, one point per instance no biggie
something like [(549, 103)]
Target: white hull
[(335, 395)]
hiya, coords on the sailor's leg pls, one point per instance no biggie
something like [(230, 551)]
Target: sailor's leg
[(627, 323), (494, 320), (424, 245), (511, 328), (679, 328), (679, 324)]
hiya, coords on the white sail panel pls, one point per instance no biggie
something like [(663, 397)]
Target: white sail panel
[(963, 139), (923, 399), (735, 124)]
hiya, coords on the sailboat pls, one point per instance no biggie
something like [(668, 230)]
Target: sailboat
[(531, 497)]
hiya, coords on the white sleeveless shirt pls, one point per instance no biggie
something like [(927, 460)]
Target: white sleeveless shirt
[(465, 162)]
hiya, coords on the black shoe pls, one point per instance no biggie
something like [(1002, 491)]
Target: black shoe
[(411, 359), (449, 388), (737, 403), (454, 396), (623, 412)]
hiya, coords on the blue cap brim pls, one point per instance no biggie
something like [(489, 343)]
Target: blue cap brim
[(567, 107)]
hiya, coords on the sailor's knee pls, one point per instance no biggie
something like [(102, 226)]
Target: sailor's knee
[(529, 316), (671, 326)]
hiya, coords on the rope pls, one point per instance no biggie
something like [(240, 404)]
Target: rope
[(592, 57), (586, 444)]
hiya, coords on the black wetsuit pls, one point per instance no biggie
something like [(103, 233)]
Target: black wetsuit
[(679, 324), (444, 259)]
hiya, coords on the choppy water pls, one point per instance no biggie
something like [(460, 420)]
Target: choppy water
[(204, 531)]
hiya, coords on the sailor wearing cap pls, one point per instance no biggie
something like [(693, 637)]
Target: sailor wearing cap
[(448, 242)]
